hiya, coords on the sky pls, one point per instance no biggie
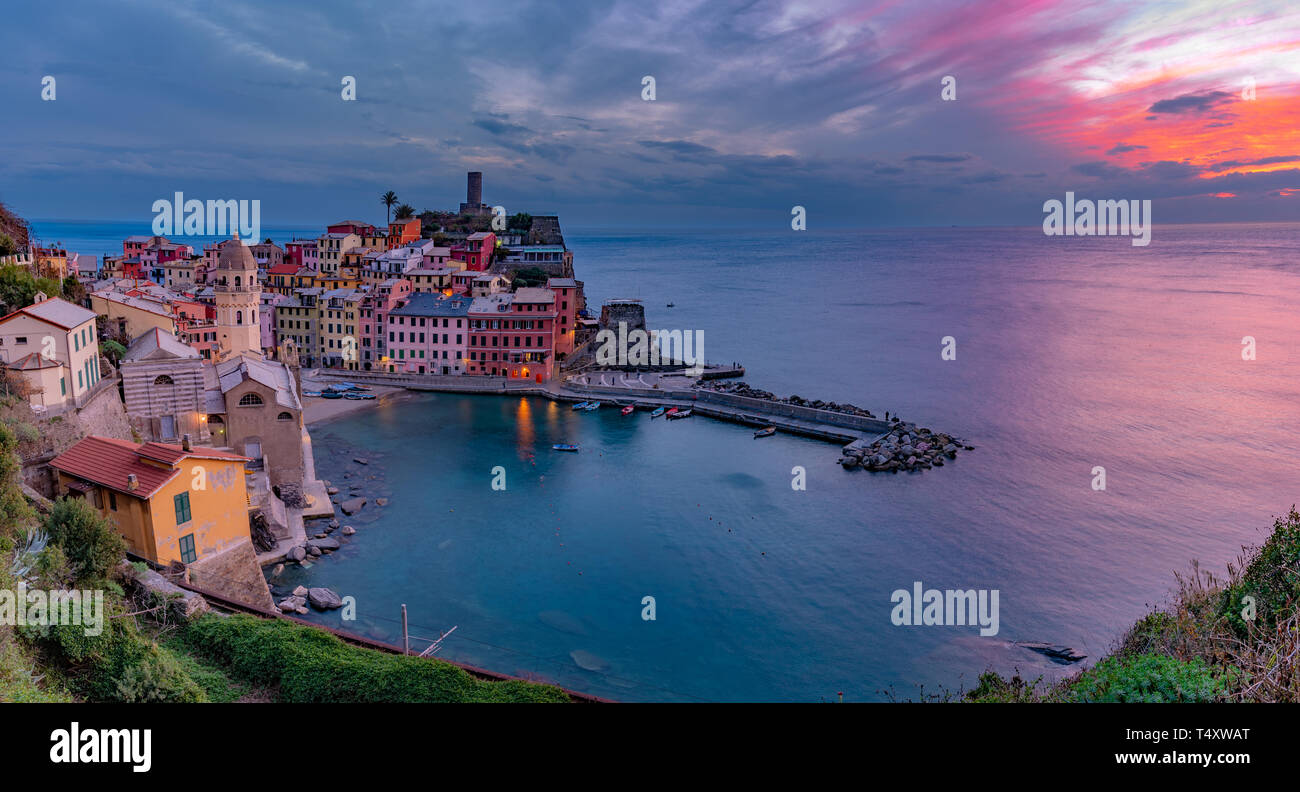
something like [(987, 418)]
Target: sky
[(759, 107)]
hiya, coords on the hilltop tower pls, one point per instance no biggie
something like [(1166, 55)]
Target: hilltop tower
[(237, 295), (474, 195)]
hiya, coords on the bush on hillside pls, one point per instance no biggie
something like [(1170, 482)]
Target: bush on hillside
[(89, 541)]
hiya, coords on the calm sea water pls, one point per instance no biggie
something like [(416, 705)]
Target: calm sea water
[(1071, 353)]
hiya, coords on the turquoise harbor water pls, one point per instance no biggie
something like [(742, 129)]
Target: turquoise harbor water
[(1072, 353)]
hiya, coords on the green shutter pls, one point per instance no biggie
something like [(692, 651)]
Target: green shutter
[(182, 502), (188, 555)]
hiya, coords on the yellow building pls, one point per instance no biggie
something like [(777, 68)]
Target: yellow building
[(170, 502), (132, 317), (336, 321)]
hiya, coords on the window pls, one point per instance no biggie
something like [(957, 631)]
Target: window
[(182, 503), (284, 416), (188, 555), (163, 379), (112, 500), (250, 400)]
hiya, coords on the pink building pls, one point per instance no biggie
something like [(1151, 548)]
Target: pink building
[(375, 307), (568, 297), (428, 334)]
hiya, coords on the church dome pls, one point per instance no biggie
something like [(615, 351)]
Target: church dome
[(235, 255)]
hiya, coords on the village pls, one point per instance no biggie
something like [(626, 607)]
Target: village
[(173, 389), (174, 394)]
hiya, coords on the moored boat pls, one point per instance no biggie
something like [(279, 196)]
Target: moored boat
[(683, 414), (658, 412), (581, 405), (592, 406), (671, 413), (628, 410), (767, 431), (565, 447)]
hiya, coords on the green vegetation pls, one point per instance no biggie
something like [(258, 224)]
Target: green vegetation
[(388, 199), (88, 540), (8, 246), (18, 288), (1218, 640), (311, 665), (529, 276), (519, 222)]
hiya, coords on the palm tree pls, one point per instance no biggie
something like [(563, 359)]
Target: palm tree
[(388, 199), (404, 211)]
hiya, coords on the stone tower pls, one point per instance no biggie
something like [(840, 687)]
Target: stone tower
[(237, 295)]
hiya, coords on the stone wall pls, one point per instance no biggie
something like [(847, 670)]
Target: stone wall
[(233, 573), (101, 415)]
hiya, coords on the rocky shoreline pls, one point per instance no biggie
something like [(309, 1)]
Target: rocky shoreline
[(740, 388), (360, 500)]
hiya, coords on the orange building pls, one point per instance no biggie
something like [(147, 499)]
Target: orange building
[(403, 232), (170, 502)]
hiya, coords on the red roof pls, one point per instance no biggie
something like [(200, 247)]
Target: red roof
[(107, 462), (287, 268)]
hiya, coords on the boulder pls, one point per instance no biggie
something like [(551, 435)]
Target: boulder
[(348, 530), (331, 490), (352, 505), (380, 501), (296, 554), (300, 591), (324, 599)]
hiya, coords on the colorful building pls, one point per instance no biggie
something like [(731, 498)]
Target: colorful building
[(429, 335), (513, 335), (476, 251), (59, 331), (170, 502)]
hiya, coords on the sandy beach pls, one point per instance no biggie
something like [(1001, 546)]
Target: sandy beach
[(317, 410)]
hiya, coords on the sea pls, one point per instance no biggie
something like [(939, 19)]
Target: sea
[(1133, 411)]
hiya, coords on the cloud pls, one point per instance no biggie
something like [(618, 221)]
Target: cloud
[(1191, 103), (1123, 148)]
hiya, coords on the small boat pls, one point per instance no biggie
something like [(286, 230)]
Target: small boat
[(366, 396), (352, 396), (670, 305), (565, 447), (581, 405), (329, 394), (628, 409), (311, 393), (671, 413), (592, 406), (658, 412), (361, 387), (683, 414), (767, 431)]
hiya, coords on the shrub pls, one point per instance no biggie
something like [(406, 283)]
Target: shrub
[(1271, 575), (120, 664), (88, 540), (1151, 678), (311, 665)]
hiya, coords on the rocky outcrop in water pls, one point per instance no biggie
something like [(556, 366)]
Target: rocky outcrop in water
[(907, 447)]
